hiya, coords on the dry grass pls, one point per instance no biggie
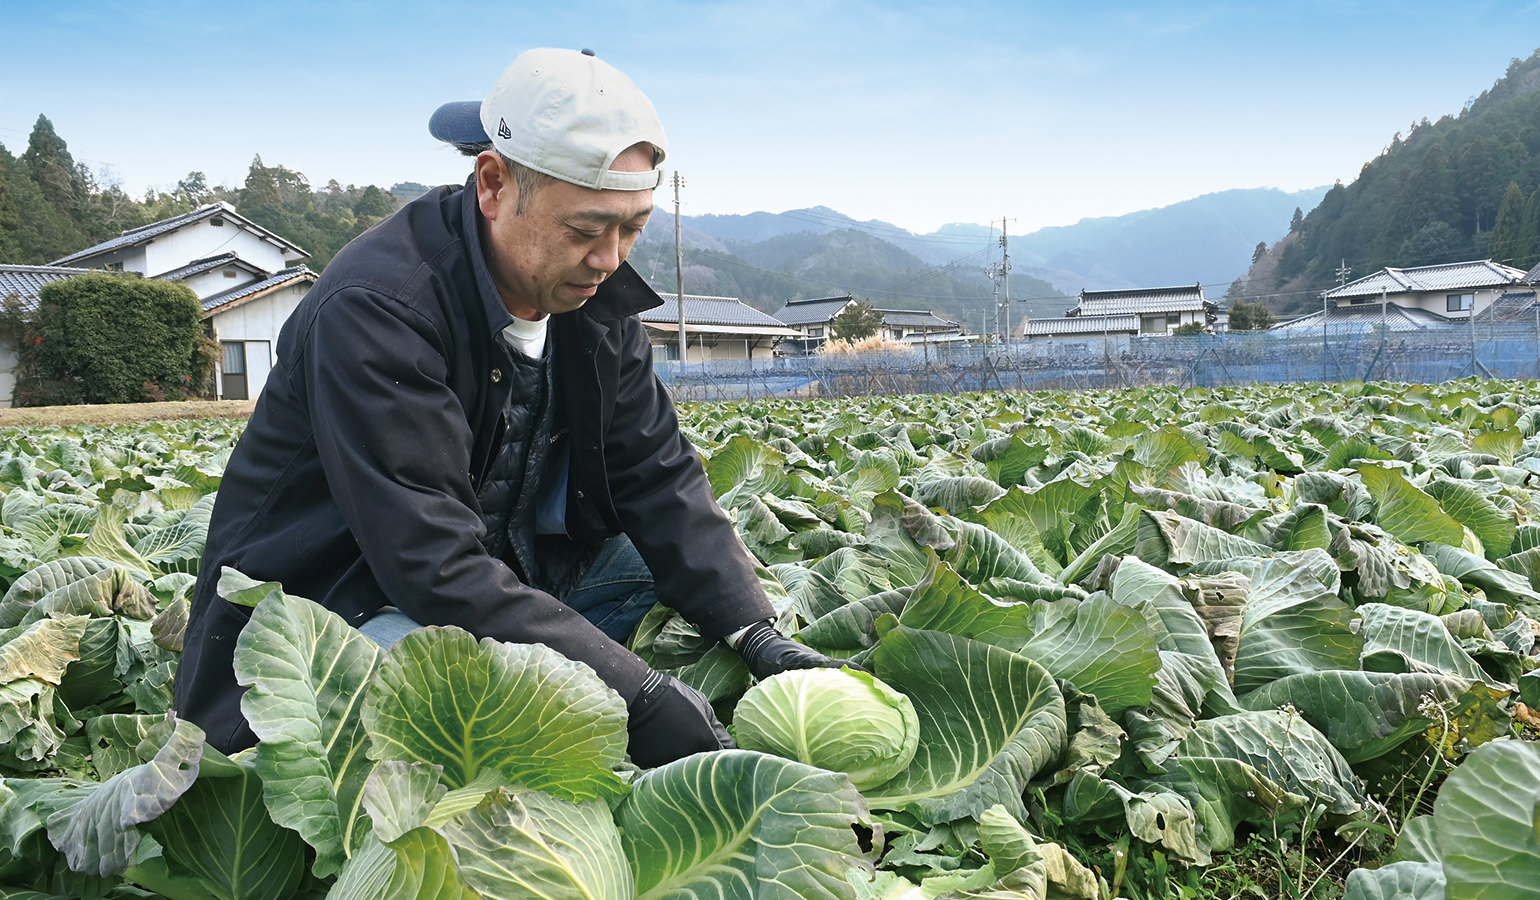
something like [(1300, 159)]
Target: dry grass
[(124, 413), (874, 344)]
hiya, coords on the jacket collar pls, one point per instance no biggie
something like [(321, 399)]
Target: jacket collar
[(624, 293), (497, 314)]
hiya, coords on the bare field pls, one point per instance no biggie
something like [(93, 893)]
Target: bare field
[(124, 413)]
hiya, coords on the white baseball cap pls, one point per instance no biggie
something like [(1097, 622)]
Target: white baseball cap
[(564, 113)]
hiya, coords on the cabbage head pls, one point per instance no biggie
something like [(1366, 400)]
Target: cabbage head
[(844, 720)]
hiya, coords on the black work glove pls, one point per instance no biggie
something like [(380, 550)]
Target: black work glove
[(768, 652), (671, 720)]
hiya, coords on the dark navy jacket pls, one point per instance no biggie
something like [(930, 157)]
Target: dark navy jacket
[(358, 480)]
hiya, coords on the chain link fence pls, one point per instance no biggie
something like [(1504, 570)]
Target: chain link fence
[(1495, 349)]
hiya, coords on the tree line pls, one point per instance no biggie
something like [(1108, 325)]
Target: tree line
[(52, 206)]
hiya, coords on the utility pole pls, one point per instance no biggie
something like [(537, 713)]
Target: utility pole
[(1342, 274), (1471, 317), (679, 267), (1000, 272)]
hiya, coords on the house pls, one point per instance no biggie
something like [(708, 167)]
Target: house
[(813, 318), (1105, 321), (1413, 299), (715, 327), (1455, 291), (1078, 334), (247, 278), (1159, 310)]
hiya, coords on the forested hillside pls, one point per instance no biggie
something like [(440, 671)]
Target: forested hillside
[(1464, 187), (52, 206)]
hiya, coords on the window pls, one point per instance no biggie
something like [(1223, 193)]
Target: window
[(231, 273), (1156, 324), (235, 357), (815, 331), (1459, 302), (115, 266), (233, 371)]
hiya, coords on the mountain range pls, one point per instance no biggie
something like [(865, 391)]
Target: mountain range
[(767, 258)]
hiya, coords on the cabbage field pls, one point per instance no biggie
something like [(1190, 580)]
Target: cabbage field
[(1255, 642)]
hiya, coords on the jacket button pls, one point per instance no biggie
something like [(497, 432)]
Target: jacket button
[(497, 375), (581, 496)]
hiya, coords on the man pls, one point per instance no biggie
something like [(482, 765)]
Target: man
[(463, 426)]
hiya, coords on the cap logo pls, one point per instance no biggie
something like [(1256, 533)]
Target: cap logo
[(503, 130)]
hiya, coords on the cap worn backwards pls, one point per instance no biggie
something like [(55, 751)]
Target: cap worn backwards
[(564, 113)]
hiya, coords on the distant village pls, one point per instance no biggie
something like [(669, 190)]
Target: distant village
[(249, 280)]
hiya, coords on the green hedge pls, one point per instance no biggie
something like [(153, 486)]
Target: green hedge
[(114, 339)]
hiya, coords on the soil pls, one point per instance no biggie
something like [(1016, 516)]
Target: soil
[(124, 413)]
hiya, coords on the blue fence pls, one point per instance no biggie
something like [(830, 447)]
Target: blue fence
[(1503, 350)]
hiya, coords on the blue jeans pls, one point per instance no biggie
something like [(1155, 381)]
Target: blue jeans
[(614, 595)]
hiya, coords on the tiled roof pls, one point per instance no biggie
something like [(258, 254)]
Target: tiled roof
[(1188, 298), (914, 318), (701, 310), (1184, 292), (1079, 325), (1362, 317), (24, 282), (1138, 305), (1532, 276), (1509, 307), (277, 279), (1451, 276), (812, 312), (146, 233), (199, 266)]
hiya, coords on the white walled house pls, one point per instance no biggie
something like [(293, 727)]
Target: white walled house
[(1455, 291), (245, 321), (170, 244), (247, 278), (715, 328), (1159, 310), (1412, 299)]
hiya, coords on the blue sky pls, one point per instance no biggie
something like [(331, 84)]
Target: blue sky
[(918, 114)]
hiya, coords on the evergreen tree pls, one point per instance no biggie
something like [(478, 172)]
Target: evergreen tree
[(1507, 232), (374, 204), (1249, 315), (1475, 168), (32, 230), (1261, 248), (1434, 243), (1298, 221), (63, 183), (193, 190), (1528, 250), (856, 321), (1428, 197)]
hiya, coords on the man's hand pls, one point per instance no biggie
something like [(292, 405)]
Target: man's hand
[(671, 720), (768, 652)]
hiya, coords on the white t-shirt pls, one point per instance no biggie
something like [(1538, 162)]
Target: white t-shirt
[(528, 337)]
